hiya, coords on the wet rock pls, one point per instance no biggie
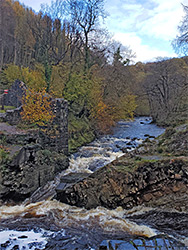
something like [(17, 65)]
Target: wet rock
[(23, 237), (146, 135), (173, 223), (124, 150), (5, 245), (156, 242), (103, 247), (75, 239), (16, 247), (69, 180), (134, 139), (96, 164), (151, 137)]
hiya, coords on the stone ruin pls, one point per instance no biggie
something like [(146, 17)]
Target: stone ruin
[(13, 98), (38, 155), (15, 94), (56, 137)]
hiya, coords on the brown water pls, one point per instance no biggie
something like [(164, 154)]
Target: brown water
[(54, 216)]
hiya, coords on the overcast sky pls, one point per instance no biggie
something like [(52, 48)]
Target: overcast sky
[(147, 26)]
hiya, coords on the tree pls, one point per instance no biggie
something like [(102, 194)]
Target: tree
[(7, 28), (180, 43), (117, 74), (34, 79), (167, 87), (24, 39), (37, 107), (83, 17), (86, 15), (121, 54)]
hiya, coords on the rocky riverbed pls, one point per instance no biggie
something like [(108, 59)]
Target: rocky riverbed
[(138, 201)]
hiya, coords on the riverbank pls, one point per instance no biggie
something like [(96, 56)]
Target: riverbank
[(155, 174)]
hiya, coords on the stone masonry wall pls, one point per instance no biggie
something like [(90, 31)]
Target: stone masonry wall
[(15, 93), (13, 116), (56, 136)]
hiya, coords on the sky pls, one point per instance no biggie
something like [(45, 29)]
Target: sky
[(146, 26)]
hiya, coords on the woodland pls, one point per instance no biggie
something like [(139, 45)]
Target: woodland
[(65, 51)]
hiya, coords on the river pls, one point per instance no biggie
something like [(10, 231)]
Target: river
[(49, 224)]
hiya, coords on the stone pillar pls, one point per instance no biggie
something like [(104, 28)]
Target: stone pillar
[(56, 136), (61, 123)]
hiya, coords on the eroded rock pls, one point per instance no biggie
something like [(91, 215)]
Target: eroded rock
[(128, 184)]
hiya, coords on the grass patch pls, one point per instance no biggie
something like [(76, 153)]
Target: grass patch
[(124, 165), (126, 168), (147, 160), (6, 108)]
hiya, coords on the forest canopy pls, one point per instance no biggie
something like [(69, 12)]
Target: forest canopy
[(64, 51)]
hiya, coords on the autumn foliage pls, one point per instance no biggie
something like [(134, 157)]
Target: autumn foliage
[(37, 107), (55, 56), (102, 115)]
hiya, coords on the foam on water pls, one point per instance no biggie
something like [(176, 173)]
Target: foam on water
[(87, 164), (127, 135), (27, 240), (68, 216)]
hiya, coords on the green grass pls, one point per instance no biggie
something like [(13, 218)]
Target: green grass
[(126, 168), (6, 108)]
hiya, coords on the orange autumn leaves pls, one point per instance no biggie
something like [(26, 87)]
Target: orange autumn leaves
[(37, 107), (105, 115), (102, 116)]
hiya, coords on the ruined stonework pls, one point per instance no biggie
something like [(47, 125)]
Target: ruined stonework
[(36, 156), (15, 94), (13, 116), (56, 136)]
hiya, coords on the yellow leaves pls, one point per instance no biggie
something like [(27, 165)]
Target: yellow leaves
[(32, 78), (37, 107), (102, 116), (18, 8), (127, 106)]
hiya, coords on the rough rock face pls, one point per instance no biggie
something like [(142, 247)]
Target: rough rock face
[(30, 169), (128, 183), (155, 174)]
